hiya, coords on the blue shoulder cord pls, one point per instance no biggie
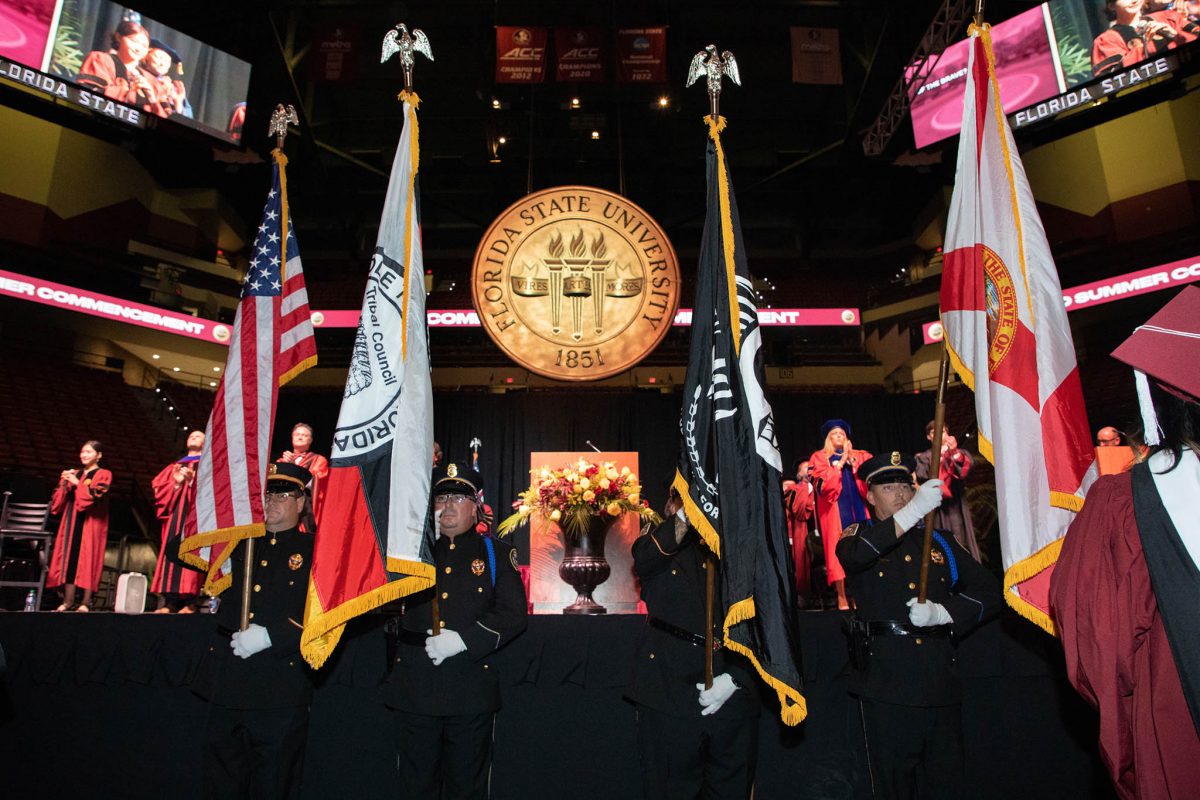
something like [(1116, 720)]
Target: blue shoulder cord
[(949, 557), (491, 548)]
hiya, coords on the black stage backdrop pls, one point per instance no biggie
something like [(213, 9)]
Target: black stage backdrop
[(514, 424)]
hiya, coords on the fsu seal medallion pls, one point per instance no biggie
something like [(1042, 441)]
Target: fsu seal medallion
[(575, 283)]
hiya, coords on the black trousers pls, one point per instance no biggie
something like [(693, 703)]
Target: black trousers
[(701, 757), (914, 752), (444, 757), (254, 753)]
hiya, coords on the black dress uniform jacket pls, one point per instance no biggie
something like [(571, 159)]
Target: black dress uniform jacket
[(668, 668), (882, 573), (486, 617), (278, 676)]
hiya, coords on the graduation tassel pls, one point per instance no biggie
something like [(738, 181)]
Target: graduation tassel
[(1150, 428)]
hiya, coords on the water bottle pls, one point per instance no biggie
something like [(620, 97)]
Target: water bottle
[(31, 600)]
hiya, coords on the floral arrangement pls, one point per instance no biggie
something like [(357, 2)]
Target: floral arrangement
[(574, 494)]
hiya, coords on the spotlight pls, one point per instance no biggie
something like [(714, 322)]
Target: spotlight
[(496, 102), (156, 356), (664, 101), (574, 102), (216, 369), (157, 390), (503, 140), (212, 383), (175, 369), (595, 134)]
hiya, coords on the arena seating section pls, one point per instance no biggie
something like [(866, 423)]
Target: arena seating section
[(52, 407)]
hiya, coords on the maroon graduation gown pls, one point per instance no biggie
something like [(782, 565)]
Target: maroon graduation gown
[(78, 556), (173, 503)]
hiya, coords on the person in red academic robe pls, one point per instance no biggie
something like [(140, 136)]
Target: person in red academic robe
[(799, 503), (840, 496), (955, 514), (1137, 34), (1124, 589), (118, 73), (176, 585), (82, 500), (317, 464)]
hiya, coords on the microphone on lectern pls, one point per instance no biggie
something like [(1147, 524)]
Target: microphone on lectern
[(588, 442)]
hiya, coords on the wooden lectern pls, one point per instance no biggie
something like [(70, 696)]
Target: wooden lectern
[(548, 593)]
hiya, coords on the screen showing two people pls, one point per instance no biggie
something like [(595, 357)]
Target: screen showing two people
[(1050, 49), (116, 52)]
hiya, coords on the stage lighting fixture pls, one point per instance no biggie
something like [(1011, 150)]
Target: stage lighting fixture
[(216, 369), (175, 369), (664, 101), (595, 134), (496, 102), (503, 140), (156, 356), (574, 102)]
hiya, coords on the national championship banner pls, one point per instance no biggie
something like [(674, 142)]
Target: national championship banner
[(730, 472), (1008, 338), (374, 538), (521, 54), (272, 342), (642, 55)]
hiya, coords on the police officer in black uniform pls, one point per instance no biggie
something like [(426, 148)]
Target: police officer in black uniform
[(442, 688), (902, 651), (694, 742), (257, 684)]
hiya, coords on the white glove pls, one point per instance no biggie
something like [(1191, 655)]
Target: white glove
[(928, 614), (712, 699), (253, 640), (448, 643), (928, 498)]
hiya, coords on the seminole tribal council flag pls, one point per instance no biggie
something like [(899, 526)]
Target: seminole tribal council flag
[(373, 542), (1008, 338), (730, 472), (272, 342)]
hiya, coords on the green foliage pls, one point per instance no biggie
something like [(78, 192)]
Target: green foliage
[(68, 52), (1075, 57)]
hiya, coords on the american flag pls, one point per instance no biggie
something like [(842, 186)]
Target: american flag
[(271, 343)]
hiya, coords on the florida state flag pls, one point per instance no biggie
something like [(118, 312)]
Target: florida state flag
[(1008, 338), (373, 542)]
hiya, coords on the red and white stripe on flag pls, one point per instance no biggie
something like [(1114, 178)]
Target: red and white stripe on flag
[(271, 342), (1008, 338)]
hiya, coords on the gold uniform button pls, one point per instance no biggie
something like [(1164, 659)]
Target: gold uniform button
[(445, 595), (912, 585), (881, 573), (674, 572), (251, 615), (291, 583), (272, 542), (447, 570), (442, 623), (452, 545), (918, 641), (257, 587), (652, 655), (908, 558), (291, 663), (485, 666), (480, 589), (262, 563)]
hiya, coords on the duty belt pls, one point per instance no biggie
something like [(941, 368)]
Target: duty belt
[(696, 639), (888, 627)]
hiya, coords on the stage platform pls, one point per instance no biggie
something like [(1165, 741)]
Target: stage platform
[(98, 706)]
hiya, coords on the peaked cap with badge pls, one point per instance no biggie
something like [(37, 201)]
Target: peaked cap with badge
[(893, 467), (282, 476), (454, 478)]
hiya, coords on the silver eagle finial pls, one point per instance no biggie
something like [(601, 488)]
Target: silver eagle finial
[(399, 40), (281, 117), (708, 63)]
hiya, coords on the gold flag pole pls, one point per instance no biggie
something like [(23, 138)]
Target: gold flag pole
[(712, 66), (935, 468), (279, 129)]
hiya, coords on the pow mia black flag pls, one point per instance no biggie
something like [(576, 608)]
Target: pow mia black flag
[(730, 472)]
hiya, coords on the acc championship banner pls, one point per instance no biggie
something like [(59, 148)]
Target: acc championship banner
[(520, 54), (579, 55)]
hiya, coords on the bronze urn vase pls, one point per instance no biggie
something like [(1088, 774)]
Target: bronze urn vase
[(583, 566)]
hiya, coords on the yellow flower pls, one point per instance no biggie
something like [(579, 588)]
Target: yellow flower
[(631, 478), (585, 483), (545, 473), (624, 470), (589, 496), (524, 509), (555, 515), (611, 473), (578, 488), (572, 477), (633, 498), (605, 483), (614, 509)]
